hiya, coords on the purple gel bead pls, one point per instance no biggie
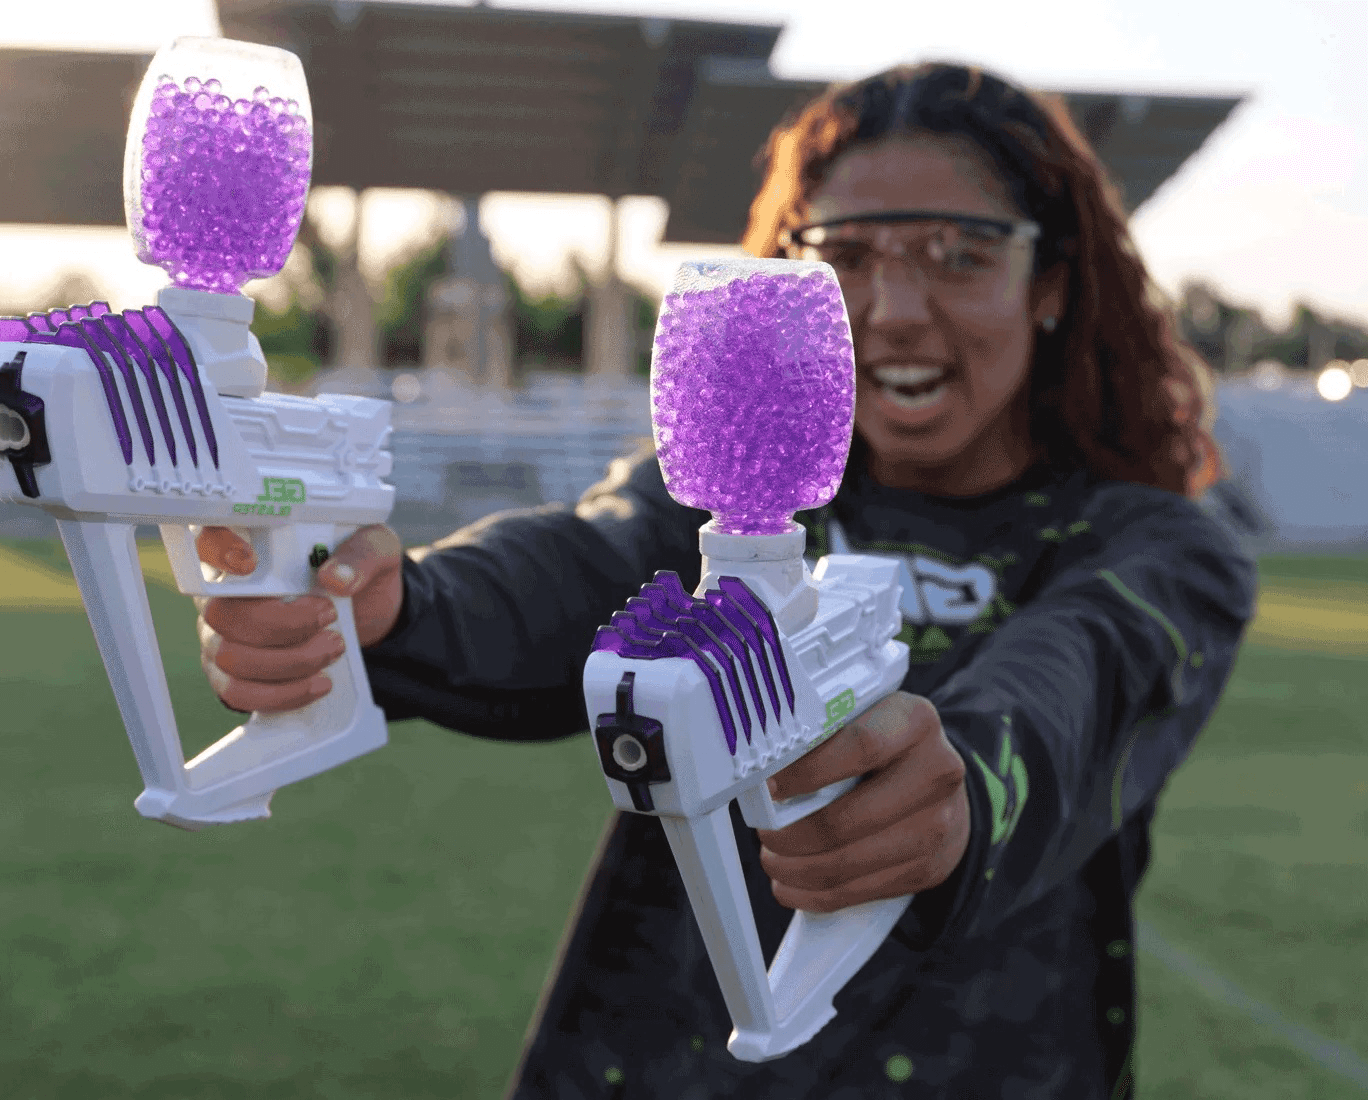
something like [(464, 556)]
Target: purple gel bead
[(14, 329), (223, 185), (753, 397)]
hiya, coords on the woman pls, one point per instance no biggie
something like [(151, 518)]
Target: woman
[(1029, 440)]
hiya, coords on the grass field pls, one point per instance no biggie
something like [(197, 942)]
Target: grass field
[(387, 932)]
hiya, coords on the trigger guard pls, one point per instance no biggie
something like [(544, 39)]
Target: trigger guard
[(789, 810)]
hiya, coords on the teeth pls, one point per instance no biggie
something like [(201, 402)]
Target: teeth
[(907, 376), (921, 401)]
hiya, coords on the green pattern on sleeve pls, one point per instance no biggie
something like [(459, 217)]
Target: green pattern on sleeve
[(1179, 644), (1149, 609), (1011, 768)]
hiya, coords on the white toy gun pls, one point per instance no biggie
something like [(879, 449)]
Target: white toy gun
[(158, 416), (697, 700)]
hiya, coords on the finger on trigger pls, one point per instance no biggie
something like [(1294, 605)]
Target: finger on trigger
[(227, 549), (242, 555), (211, 545)]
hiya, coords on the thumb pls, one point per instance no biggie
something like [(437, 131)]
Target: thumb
[(358, 560), (338, 577)]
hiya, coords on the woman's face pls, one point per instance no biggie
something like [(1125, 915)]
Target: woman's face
[(942, 363)]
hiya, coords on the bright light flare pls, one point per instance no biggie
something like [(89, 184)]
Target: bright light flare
[(1334, 383)]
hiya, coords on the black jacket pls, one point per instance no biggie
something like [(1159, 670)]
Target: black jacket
[(1074, 635)]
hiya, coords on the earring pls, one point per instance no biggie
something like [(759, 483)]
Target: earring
[(1048, 324)]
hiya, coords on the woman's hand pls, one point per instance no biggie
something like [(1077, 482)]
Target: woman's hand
[(267, 654), (903, 830)]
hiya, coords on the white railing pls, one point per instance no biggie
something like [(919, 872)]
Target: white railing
[(461, 452)]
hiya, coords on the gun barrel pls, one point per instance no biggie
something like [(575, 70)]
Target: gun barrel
[(249, 462)]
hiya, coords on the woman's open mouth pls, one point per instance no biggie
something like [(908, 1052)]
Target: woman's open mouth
[(911, 388)]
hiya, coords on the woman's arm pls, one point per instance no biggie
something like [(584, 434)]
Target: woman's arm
[(499, 617), (1074, 712)]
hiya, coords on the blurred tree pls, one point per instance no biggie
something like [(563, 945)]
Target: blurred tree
[(647, 309), (400, 314), (1203, 320), (298, 339), (1311, 340), (548, 328), (1234, 338), (294, 341)]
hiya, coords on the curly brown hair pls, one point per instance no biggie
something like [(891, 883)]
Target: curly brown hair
[(1114, 387)]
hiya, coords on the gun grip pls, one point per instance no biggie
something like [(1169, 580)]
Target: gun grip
[(233, 779), (772, 1014), (820, 952), (243, 769)]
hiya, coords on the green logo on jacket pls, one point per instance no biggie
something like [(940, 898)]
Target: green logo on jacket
[(1007, 785)]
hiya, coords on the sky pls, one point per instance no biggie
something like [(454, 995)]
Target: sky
[(1272, 210)]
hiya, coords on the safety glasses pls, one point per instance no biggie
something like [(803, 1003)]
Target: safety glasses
[(958, 254)]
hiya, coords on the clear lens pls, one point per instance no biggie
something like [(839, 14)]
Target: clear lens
[(951, 254)]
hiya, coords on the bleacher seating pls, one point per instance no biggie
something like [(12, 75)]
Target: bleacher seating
[(460, 453)]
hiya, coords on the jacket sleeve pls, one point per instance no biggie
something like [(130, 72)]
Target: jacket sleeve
[(498, 617), (1071, 716)]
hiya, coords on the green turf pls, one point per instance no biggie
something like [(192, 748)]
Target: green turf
[(1314, 567), (1260, 869), (387, 933), (1194, 1049)]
